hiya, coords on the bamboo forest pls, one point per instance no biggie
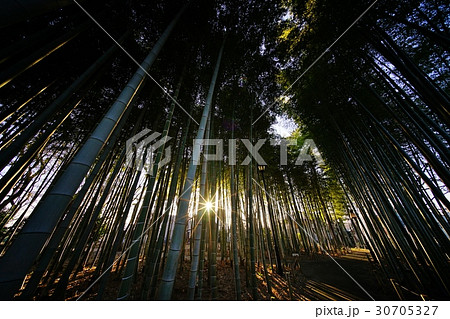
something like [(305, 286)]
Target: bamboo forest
[(225, 150)]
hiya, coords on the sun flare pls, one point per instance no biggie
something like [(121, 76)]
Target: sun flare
[(209, 205)]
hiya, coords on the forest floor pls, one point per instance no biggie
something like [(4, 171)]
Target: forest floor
[(315, 278)]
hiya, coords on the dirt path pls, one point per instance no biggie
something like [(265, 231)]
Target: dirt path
[(356, 280)]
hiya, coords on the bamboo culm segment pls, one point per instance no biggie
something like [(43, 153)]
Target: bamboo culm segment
[(17, 261), (168, 279)]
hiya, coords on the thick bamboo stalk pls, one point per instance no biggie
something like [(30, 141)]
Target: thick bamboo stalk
[(20, 256), (166, 287), (132, 258)]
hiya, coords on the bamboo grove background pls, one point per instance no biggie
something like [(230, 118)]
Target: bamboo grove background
[(376, 105)]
